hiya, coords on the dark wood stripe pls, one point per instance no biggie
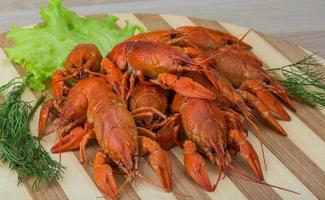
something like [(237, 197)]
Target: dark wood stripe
[(250, 190), (312, 117), (291, 156), (207, 23), (52, 191), (153, 22)]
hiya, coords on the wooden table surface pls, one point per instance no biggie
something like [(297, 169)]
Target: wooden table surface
[(298, 21), (295, 162)]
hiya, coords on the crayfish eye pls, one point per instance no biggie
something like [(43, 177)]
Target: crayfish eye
[(230, 42), (182, 63), (212, 151), (73, 66), (267, 81), (83, 61), (173, 35)]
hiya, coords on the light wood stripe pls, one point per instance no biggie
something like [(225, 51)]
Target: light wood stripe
[(8, 185), (210, 24)]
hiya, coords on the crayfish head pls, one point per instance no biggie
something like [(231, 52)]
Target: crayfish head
[(83, 58), (74, 109), (164, 36)]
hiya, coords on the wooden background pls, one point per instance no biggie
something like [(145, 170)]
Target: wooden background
[(298, 21), (296, 162)]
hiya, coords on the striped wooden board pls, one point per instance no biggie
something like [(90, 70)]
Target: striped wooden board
[(296, 162)]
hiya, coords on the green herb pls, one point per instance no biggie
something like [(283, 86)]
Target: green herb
[(18, 147), (43, 48), (304, 80)]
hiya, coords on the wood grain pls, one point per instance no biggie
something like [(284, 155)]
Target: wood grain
[(295, 162)]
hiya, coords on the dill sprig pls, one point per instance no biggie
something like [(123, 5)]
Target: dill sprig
[(304, 80), (22, 151)]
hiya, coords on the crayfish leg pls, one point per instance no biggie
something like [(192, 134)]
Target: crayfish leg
[(44, 116), (58, 86), (167, 135), (184, 86)]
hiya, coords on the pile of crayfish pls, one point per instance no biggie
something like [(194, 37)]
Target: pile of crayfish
[(194, 87)]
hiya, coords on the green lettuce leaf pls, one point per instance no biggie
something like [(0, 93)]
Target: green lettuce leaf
[(43, 48)]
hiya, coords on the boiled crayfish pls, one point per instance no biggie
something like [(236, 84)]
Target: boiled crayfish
[(124, 101), (232, 59), (107, 119), (215, 133)]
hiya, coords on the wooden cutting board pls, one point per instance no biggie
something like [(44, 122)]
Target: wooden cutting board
[(296, 162)]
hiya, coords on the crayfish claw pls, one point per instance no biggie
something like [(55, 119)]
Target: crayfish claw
[(195, 166), (261, 108), (247, 151), (44, 116), (69, 142), (184, 86), (159, 161), (103, 175), (265, 96)]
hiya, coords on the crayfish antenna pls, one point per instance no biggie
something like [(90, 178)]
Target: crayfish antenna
[(255, 180), (65, 78), (243, 37), (219, 176), (124, 184), (95, 73), (147, 180), (257, 130)]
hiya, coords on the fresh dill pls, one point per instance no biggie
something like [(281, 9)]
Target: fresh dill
[(22, 151), (304, 80)]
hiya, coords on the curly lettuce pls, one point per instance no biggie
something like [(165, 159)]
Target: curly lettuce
[(43, 48)]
